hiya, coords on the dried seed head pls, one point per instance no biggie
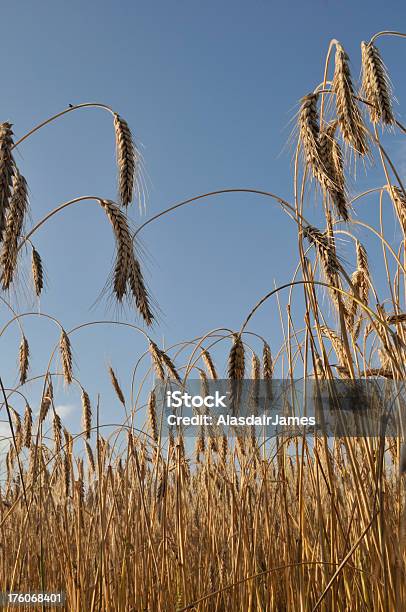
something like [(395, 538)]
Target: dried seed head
[(57, 431), (127, 270), (337, 345), (332, 179), (17, 429), (376, 85), (322, 153), (116, 386), (7, 171), (127, 160), (236, 359), (255, 367), (309, 129), (328, 258), (396, 318), (200, 443), (66, 357), (362, 258), (349, 117), (45, 404), (208, 362), (309, 136), (86, 414), (267, 365), (27, 426), (37, 271), (170, 367), (399, 201), (161, 359), (156, 360), (90, 457), (24, 355), (18, 206), (124, 256), (139, 291), (153, 421)]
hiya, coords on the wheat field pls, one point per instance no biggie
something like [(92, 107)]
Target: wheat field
[(133, 518)]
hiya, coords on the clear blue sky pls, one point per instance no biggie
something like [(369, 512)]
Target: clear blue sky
[(209, 89)]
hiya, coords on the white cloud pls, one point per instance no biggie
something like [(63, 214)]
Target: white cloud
[(65, 410)]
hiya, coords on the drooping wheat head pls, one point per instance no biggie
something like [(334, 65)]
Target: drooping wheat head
[(376, 85), (127, 270), (24, 355), (208, 362), (152, 416), (86, 414), (7, 171), (236, 359), (333, 164), (127, 160), (116, 386), (37, 272), (349, 116), (66, 357), (17, 209), (27, 426)]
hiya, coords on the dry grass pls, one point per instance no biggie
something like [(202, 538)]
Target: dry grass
[(137, 517)]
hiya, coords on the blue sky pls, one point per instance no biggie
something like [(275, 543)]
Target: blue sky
[(209, 90)]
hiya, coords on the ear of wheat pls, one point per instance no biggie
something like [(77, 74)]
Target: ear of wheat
[(333, 164), (18, 206), (66, 357), (322, 154), (126, 160), (24, 355), (399, 202), (328, 258), (127, 270), (349, 117), (116, 386), (156, 360), (153, 421), (236, 359), (376, 85), (27, 427), (86, 414), (37, 271), (208, 362), (7, 171)]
